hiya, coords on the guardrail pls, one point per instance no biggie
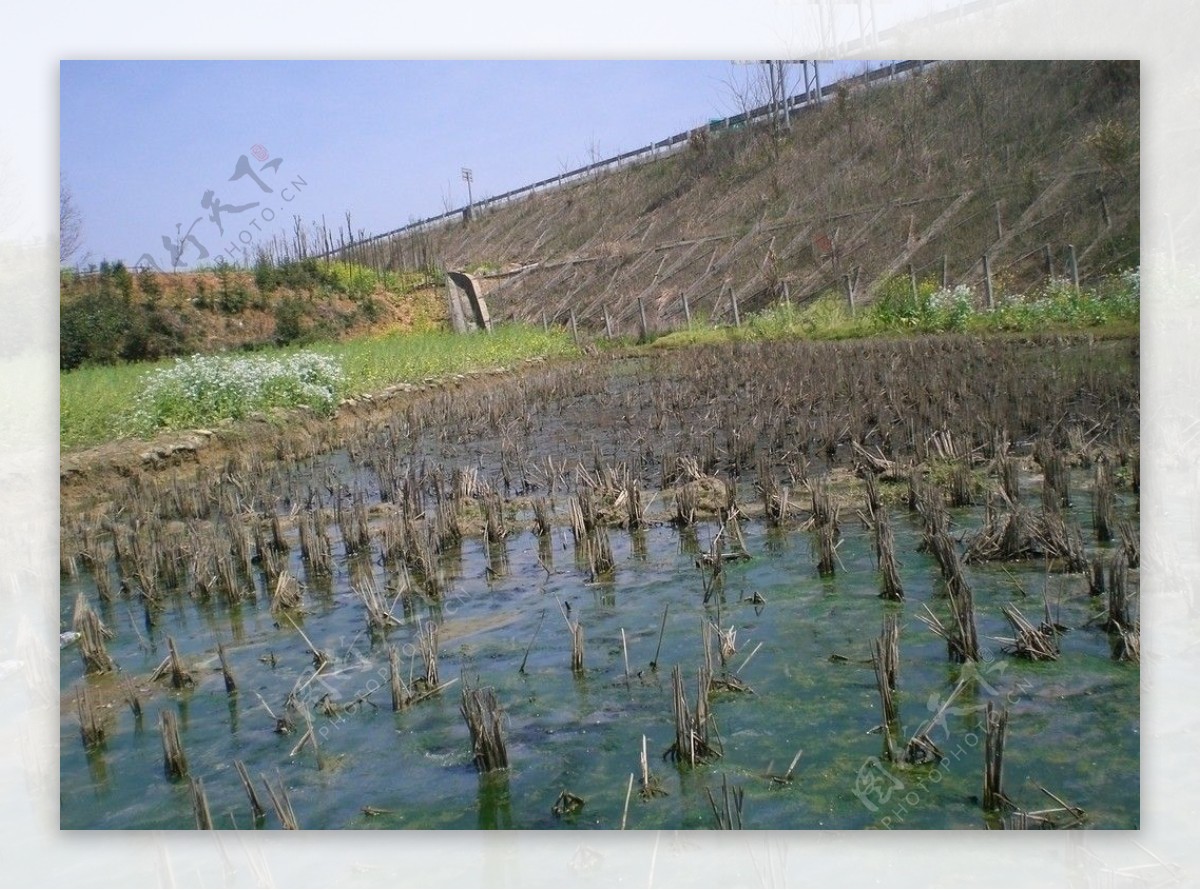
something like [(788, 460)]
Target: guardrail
[(796, 103)]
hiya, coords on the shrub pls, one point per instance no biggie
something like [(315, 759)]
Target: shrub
[(91, 329), (289, 321), (206, 389), (931, 310)]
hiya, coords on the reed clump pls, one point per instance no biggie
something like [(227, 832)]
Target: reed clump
[(691, 744), (92, 634), (483, 715)]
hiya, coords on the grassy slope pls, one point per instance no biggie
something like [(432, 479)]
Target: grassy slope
[(871, 172)]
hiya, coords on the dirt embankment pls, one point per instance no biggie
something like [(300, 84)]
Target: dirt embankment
[(90, 476)]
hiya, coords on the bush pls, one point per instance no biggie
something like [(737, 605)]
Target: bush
[(289, 321), (203, 390), (931, 310), (91, 329)]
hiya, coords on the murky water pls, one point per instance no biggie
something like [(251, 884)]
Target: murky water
[(804, 653)]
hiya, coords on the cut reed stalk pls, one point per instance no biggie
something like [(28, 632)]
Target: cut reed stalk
[(174, 758), (401, 697), (1119, 616), (576, 631), (180, 675), (200, 804), (256, 807), (691, 743), (1034, 643), (650, 785), (921, 748), (542, 517), (890, 587), (729, 813), (885, 658), (532, 640), (427, 644), (287, 593), (1008, 471), (379, 610), (131, 696), (226, 672), (92, 634), (1103, 503), (661, 630), (628, 795), (993, 758), (91, 728), (483, 716), (283, 805)]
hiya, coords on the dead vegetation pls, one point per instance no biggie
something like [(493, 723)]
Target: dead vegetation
[(687, 449)]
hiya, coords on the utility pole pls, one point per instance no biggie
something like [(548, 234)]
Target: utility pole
[(469, 177)]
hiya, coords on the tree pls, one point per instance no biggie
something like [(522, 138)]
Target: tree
[(70, 223)]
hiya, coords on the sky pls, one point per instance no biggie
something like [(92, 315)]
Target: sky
[(148, 148)]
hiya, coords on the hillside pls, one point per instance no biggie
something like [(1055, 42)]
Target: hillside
[(118, 315), (930, 171), (1013, 159)]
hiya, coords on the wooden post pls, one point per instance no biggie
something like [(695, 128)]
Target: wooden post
[(987, 283), (999, 224), (849, 288), (545, 323), (687, 312), (1074, 266), (608, 331), (642, 315), (1104, 207), (1048, 255), (912, 281), (737, 318), (574, 328), (945, 272)]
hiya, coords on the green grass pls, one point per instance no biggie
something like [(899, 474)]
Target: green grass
[(1111, 308), (101, 404)]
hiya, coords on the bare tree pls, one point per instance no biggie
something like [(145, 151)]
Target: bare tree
[(70, 223)]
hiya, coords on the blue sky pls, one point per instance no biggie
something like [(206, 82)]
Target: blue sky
[(143, 142)]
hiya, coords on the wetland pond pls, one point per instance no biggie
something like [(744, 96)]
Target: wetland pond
[(632, 517)]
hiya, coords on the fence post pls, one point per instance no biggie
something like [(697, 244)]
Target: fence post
[(642, 315), (574, 328), (608, 331), (1104, 207), (1074, 266), (737, 317), (987, 283), (945, 272), (1048, 255), (999, 225), (912, 281), (849, 292), (687, 312)]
